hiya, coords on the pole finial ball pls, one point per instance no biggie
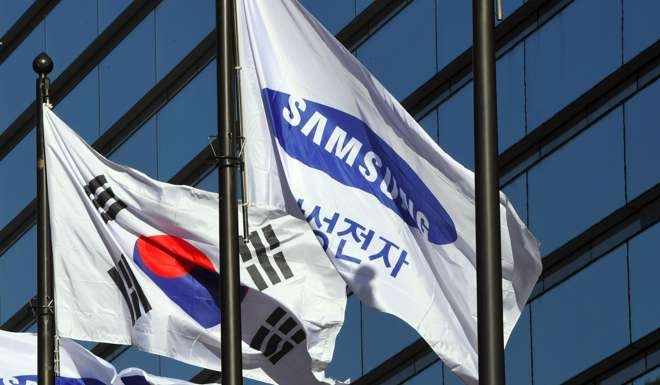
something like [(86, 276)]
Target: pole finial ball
[(42, 64)]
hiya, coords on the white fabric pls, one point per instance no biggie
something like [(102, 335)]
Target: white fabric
[(78, 366), (91, 243), (18, 362), (322, 132)]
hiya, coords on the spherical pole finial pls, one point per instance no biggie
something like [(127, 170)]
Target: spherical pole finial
[(42, 64)]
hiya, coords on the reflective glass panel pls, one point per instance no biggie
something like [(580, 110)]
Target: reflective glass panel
[(185, 123), (383, 335), (516, 191), (430, 375), (334, 15), (209, 182), (588, 313), (570, 54), (109, 10), (640, 26), (18, 267), (642, 139), (80, 108), (18, 178), (456, 126), (70, 27), (577, 185), (17, 78), (454, 29), (176, 369), (402, 53), (139, 150), (644, 254), (430, 124), (135, 358), (346, 361), (651, 378), (450, 378), (127, 73), (10, 12), (511, 97), (180, 26), (518, 352)]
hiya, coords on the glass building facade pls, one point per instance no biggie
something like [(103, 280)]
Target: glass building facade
[(579, 121)]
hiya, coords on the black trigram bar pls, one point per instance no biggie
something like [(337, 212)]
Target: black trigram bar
[(275, 342), (263, 258), (102, 196), (125, 280)]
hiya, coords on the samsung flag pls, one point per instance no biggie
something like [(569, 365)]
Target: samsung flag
[(394, 213), (78, 366), (136, 262)]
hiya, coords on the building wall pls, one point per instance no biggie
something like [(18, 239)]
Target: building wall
[(597, 168)]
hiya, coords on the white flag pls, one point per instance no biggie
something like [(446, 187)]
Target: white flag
[(136, 262), (393, 211), (78, 366)]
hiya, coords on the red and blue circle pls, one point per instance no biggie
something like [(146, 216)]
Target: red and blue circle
[(184, 273)]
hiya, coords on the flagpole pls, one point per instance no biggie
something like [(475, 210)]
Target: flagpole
[(229, 266), (489, 265), (44, 310)]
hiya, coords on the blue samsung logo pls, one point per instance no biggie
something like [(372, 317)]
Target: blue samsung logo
[(346, 149)]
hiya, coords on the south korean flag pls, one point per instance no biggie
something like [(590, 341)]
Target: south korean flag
[(136, 262)]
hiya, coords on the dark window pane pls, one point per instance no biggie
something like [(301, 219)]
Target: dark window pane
[(180, 25), (509, 6), (642, 139), (511, 97), (210, 182), (516, 191), (247, 381), (454, 34), (577, 185), (518, 353), (402, 53), (17, 78), (383, 335), (644, 253), (346, 362), (139, 150), (651, 378), (135, 358), (640, 26), (569, 54), (186, 122), (18, 179), (430, 124), (80, 108), (430, 375), (176, 369), (588, 313), (450, 378), (334, 15), (362, 4), (456, 126), (109, 10), (18, 271), (127, 73), (70, 27), (10, 12)]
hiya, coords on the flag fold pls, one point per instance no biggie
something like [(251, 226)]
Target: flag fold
[(394, 213), (136, 262), (78, 366)]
